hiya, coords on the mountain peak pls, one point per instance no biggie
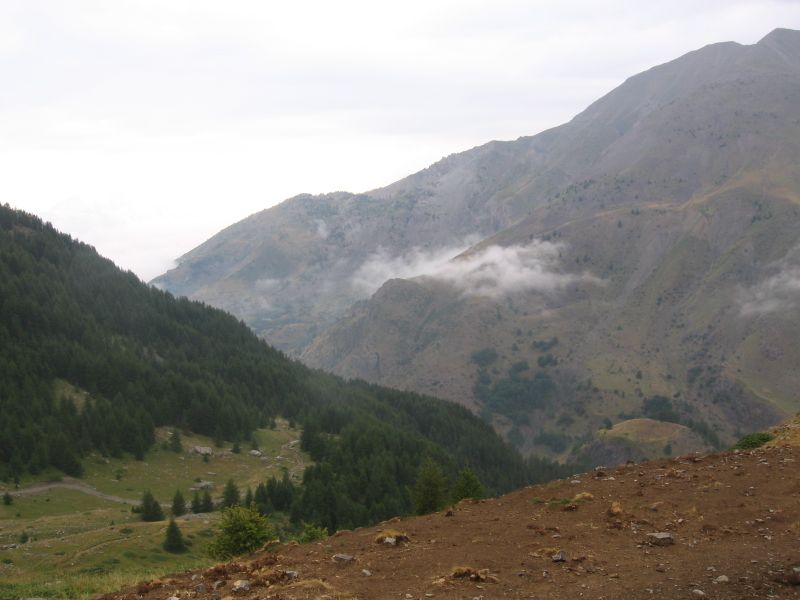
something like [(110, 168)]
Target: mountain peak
[(786, 42)]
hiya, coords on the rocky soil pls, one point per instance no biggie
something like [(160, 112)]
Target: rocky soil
[(727, 526)]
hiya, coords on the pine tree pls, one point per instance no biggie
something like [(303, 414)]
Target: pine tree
[(8, 500), (468, 486), (206, 504), (178, 504), (430, 489), (248, 498), (230, 495), (173, 541), (196, 506), (150, 509), (175, 443)]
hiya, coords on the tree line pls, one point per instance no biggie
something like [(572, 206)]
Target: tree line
[(148, 359)]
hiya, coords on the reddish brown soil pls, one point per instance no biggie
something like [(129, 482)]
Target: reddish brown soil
[(732, 515)]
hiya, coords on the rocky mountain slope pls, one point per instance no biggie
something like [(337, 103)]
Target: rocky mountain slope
[(640, 261), (720, 527)]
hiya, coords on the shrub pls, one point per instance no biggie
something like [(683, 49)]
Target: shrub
[(312, 533), (753, 440), (484, 357), (241, 530)]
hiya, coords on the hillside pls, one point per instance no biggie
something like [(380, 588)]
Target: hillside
[(653, 238), (729, 525), (92, 360), (83, 537)]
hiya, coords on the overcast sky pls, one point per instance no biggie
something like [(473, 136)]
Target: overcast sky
[(145, 126)]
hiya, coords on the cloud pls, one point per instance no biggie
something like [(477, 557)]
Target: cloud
[(489, 272), (780, 291)]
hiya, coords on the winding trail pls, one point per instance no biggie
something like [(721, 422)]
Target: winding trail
[(71, 484)]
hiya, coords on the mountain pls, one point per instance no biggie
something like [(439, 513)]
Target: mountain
[(639, 263), (594, 535), (92, 360)]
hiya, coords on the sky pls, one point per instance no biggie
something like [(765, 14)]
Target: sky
[(143, 127)]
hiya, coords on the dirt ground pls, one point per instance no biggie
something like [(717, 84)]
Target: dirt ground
[(734, 521)]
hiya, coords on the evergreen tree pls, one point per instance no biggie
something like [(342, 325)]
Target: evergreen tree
[(175, 443), (173, 541), (430, 489), (230, 495), (468, 486), (248, 498), (8, 499), (178, 504), (150, 509), (196, 506), (206, 504)]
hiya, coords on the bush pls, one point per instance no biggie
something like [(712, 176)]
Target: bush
[(241, 530), (312, 533), (484, 357), (753, 440)]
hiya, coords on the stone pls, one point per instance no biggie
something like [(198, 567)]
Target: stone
[(200, 589), (255, 453), (559, 556), (698, 593), (291, 574), (241, 585), (662, 538), (343, 558), (366, 572), (722, 579)]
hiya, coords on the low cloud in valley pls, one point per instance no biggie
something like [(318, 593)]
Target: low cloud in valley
[(490, 272), (779, 291)]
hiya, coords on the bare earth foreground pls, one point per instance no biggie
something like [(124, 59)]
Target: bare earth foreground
[(733, 522)]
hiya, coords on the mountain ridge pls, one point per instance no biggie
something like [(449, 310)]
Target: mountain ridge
[(674, 187)]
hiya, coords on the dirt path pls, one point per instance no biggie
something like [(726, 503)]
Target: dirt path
[(71, 484)]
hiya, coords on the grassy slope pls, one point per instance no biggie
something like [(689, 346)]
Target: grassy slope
[(81, 544)]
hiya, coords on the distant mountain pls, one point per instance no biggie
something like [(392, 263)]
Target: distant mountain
[(92, 359), (642, 260)]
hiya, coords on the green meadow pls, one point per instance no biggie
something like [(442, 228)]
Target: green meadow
[(80, 544)]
